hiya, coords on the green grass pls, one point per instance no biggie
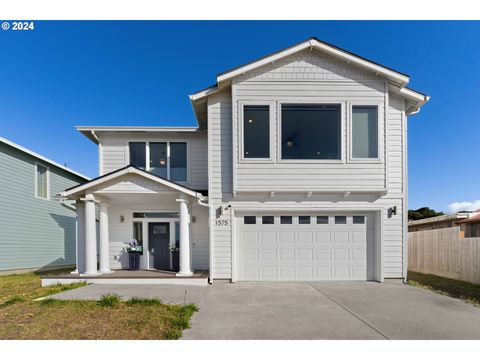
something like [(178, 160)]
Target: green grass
[(108, 318), (455, 288)]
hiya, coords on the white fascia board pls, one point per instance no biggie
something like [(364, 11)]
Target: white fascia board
[(203, 93), (43, 158), (256, 64), (128, 170), (378, 69), (337, 53), (138, 128)]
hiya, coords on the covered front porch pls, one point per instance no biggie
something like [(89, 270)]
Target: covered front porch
[(168, 220)]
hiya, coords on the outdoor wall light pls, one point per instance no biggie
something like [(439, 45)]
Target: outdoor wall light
[(122, 218)]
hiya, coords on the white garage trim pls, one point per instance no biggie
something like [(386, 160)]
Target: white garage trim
[(376, 212)]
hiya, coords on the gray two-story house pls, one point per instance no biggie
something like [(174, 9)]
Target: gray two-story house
[(297, 170), (37, 229)]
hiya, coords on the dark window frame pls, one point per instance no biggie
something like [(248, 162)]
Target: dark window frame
[(341, 133), (168, 143), (250, 218), (243, 156), (305, 217), (268, 217), (283, 217)]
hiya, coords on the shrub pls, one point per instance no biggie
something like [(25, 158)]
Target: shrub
[(109, 300)]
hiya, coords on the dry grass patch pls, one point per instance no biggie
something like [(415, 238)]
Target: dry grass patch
[(455, 288), (108, 318)]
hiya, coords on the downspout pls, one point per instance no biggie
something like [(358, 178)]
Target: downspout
[(207, 205), (94, 136)]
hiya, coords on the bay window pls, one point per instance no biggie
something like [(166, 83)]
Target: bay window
[(165, 159), (311, 132)]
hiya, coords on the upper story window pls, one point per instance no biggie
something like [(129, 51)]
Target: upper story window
[(178, 161), (311, 132), (364, 132), (166, 159), (138, 155), (256, 131), (158, 159), (41, 182)]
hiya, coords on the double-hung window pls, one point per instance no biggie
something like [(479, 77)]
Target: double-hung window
[(364, 132), (166, 159), (41, 179), (256, 131), (311, 131)]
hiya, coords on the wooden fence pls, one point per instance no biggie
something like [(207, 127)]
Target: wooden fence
[(444, 253)]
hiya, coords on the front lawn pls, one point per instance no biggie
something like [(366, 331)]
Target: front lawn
[(109, 318), (454, 288)]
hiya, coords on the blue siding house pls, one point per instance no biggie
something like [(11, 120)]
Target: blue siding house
[(37, 231)]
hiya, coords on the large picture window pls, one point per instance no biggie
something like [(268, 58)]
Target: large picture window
[(256, 131), (364, 132), (166, 159), (311, 132)]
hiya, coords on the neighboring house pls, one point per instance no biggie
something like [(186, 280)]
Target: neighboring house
[(438, 222), (36, 230), (471, 225), (296, 171)]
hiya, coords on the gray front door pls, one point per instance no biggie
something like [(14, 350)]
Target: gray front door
[(159, 245)]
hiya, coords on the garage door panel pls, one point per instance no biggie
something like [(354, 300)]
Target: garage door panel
[(287, 237), (269, 254), (324, 251), (323, 237), (340, 237), (267, 237)]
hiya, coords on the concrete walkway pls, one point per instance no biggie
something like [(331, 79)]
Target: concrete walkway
[(316, 310)]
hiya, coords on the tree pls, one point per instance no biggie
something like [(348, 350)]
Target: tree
[(423, 213)]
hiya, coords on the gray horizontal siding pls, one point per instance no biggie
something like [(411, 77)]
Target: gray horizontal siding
[(307, 77), (33, 232)]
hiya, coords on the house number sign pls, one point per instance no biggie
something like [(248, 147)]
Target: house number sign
[(220, 222)]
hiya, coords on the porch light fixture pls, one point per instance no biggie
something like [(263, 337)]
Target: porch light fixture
[(122, 218)]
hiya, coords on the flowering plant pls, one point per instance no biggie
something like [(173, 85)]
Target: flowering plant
[(133, 247), (174, 248)]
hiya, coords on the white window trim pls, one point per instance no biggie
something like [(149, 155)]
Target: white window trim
[(380, 122), (271, 126), (147, 155), (311, 161), (36, 180)]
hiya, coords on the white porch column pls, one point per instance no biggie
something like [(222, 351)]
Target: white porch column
[(104, 240), (80, 238), (185, 269), (90, 236)]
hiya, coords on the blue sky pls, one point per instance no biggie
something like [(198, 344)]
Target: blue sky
[(63, 74)]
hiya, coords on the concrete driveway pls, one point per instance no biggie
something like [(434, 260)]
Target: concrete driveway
[(315, 310), (331, 311)]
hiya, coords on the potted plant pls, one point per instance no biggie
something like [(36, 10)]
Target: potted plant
[(175, 257), (134, 251)]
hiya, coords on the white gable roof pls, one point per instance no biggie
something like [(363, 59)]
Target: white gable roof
[(76, 190), (397, 79)]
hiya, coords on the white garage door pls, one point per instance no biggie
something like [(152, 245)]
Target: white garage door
[(305, 247)]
